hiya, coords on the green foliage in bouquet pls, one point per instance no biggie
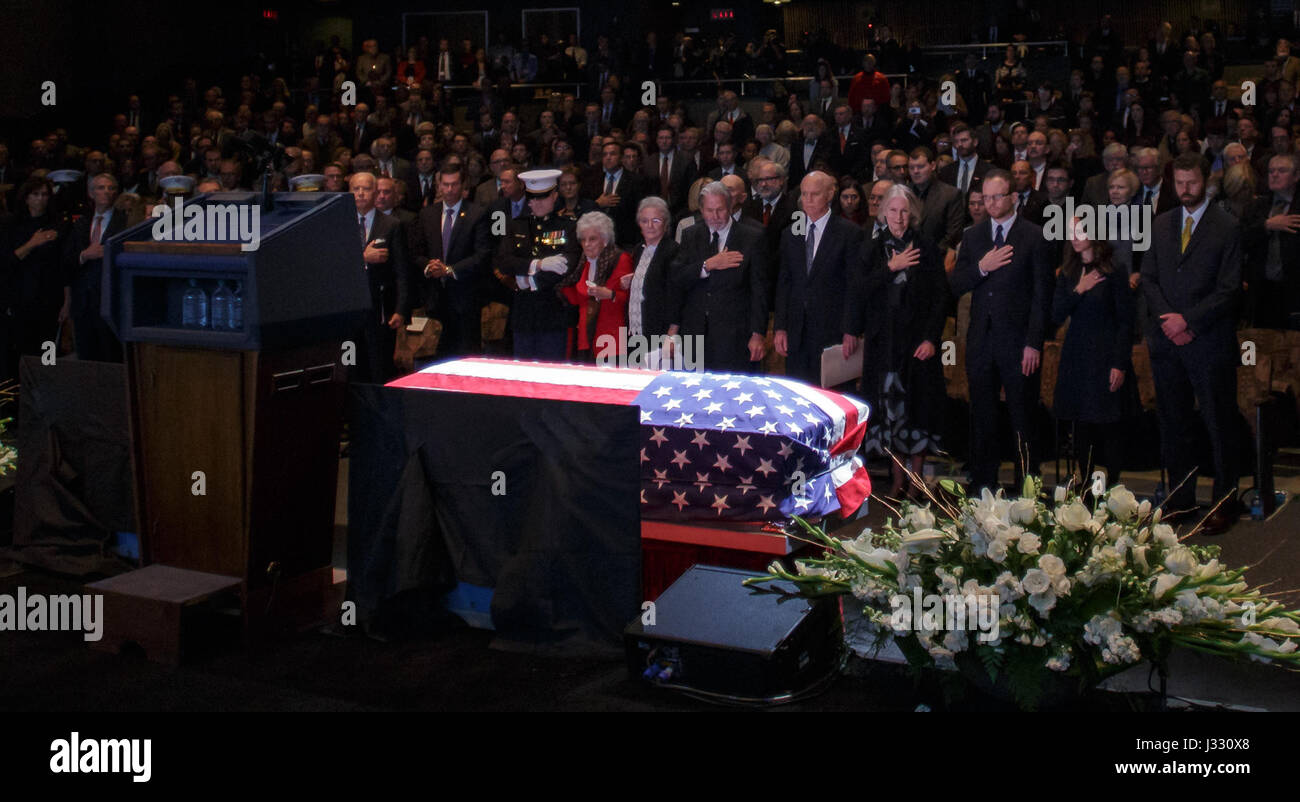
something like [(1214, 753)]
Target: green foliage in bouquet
[(1081, 592)]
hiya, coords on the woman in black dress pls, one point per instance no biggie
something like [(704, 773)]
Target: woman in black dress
[(33, 295), (1095, 387), (899, 306)]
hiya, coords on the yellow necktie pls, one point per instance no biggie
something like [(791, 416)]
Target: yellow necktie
[(1187, 235)]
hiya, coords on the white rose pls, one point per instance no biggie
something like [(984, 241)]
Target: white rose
[(1054, 566), (1121, 502), (1059, 495), (1023, 511), (1042, 602), (1028, 543), (1144, 508), (1180, 560), (1073, 516), (1036, 581), (997, 550)]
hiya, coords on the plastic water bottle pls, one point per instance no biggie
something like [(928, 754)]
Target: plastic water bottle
[(237, 308), (221, 307), (194, 307)]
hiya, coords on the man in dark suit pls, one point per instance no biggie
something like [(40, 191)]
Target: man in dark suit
[(741, 125), (850, 151), (390, 198), (719, 276), (974, 84), (616, 192), (815, 270), (726, 164), (84, 257), (969, 169), (814, 148), (1004, 264), (1191, 278), (720, 134), (424, 182), (1220, 106), (387, 163), (873, 122), (591, 126), (774, 208), (613, 113), (452, 240), (1153, 191), (513, 201), (1272, 247), (1027, 202), (1095, 192), (387, 268), (913, 130), (667, 173), (943, 210)]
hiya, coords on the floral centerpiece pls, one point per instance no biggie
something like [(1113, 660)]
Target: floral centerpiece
[(1032, 595)]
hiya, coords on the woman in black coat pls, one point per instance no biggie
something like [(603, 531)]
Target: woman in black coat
[(899, 306), (651, 304), (1095, 386), (33, 292)]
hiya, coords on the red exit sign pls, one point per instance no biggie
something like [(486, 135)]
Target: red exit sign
[(722, 14)]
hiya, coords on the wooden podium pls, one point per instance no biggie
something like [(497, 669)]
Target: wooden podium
[(235, 432)]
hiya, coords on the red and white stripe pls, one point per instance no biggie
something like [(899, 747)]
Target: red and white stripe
[(542, 380), (848, 415)]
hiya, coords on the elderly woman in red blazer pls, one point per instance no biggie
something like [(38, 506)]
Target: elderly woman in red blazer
[(599, 293)]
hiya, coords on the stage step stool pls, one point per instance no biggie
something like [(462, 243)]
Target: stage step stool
[(147, 607)]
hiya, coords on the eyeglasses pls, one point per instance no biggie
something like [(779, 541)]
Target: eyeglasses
[(650, 221), (988, 196)]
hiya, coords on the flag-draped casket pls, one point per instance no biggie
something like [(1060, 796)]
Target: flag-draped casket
[(714, 446)]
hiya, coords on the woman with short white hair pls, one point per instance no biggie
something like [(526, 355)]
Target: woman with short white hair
[(650, 298), (599, 293), (899, 309)]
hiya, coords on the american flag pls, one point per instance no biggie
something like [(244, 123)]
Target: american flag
[(716, 447)]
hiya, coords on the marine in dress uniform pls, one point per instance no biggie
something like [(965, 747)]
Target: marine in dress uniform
[(541, 251)]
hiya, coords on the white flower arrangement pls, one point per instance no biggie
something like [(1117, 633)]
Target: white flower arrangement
[(1084, 592)]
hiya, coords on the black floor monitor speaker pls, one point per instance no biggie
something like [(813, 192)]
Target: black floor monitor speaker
[(710, 634)]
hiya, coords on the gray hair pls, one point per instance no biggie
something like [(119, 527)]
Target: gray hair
[(654, 202), (1114, 149), (913, 203), (598, 222), (1142, 153), (716, 188)]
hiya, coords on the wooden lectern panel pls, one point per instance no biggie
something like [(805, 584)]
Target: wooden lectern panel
[(263, 428), (189, 417)]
